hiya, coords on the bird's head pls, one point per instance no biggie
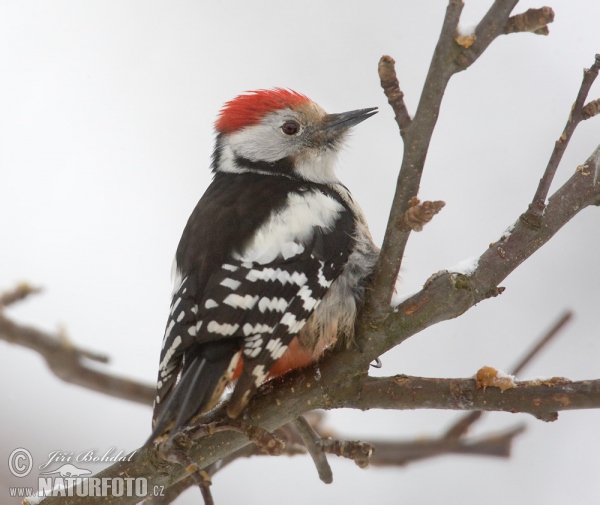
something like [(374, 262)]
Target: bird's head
[(281, 132)]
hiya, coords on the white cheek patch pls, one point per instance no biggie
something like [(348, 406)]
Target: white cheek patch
[(264, 141)]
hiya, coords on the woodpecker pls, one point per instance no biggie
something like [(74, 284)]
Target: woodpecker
[(273, 262)]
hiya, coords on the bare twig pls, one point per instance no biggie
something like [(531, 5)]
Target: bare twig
[(67, 362), (314, 445), (18, 293), (489, 28), (417, 136), (460, 427), (449, 58), (357, 451), (591, 109), (532, 20), (533, 215), (539, 398), (402, 453), (542, 342), (463, 424), (391, 88)]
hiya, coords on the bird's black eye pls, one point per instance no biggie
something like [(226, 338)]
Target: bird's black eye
[(290, 128)]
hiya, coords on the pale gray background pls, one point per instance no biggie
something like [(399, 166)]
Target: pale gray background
[(106, 112)]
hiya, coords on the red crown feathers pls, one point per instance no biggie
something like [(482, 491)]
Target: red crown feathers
[(248, 109)]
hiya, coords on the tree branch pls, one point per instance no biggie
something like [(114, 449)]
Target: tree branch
[(340, 379), (449, 58), (391, 88), (459, 428), (18, 293), (532, 20), (402, 453), (537, 206), (314, 443), (67, 361), (539, 398), (542, 399)]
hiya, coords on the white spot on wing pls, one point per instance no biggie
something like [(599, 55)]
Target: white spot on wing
[(210, 304), (169, 328), (231, 268), (241, 302), (252, 353), (310, 303), (271, 274), (175, 303), (260, 374), (278, 304), (230, 283), (224, 329), (169, 354), (256, 330), (276, 348), (321, 278), (294, 325), (168, 331)]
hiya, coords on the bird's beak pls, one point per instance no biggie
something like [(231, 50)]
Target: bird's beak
[(334, 124)]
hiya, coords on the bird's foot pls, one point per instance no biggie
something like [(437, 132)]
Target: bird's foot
[(175, 450), (266, 441)]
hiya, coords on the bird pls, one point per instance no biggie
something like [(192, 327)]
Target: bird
[(272, 265)]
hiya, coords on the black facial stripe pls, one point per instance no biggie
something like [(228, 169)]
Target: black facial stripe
[(281, 166)]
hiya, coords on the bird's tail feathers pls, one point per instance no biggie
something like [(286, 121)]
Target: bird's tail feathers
[(200, 386)]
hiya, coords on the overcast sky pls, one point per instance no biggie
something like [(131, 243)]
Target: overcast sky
[(106, 113)]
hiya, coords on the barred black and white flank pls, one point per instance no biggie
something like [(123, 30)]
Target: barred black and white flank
[(273, 261)]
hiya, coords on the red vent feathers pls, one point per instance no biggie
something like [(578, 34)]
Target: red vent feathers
[(250, 108)]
